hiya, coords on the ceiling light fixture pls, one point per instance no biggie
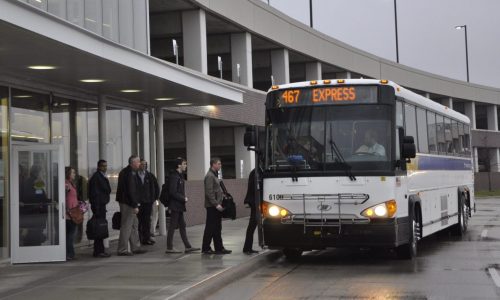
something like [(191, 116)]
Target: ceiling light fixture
[(164, 99), (41, 67), (23, 96), (92, 80), (130, 91), (184, 104)]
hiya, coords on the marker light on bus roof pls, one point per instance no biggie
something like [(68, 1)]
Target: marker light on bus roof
[(314, 82), (328, 81), (384, 81), (341, 81), (275, 87)]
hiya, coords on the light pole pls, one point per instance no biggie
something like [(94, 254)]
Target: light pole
[(464, 27), (396, 30)]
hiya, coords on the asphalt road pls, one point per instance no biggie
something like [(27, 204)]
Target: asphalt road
[(447, 267)]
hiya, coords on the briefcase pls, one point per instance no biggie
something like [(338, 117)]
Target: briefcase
[(97, 228)]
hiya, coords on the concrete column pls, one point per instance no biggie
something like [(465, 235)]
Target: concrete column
[(313, 71), (280, 66), (160, 165), (197, 148), (492, 116), (152, 140), (244, 159), (495, 160), (194, 36), (344, 75), (448, 102), (241, 53), (101, 128), (470, 111), (476, 162)]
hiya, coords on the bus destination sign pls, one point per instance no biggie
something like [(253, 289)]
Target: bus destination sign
[(325, 95)]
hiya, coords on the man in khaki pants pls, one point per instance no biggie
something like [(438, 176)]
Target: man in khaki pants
[(127, 194)]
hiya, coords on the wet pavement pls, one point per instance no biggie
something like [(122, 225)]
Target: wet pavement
[(447, 267), (153, 275)]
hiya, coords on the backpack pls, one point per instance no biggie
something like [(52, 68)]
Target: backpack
[(116, 220), (164, 196)]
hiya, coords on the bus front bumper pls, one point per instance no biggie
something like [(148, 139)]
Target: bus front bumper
[(377, 233)]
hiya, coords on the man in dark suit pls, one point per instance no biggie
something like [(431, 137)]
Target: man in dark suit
[(252, 223), (150, 192), (99, 191), (128, 195), (213, 204), (177, 207)]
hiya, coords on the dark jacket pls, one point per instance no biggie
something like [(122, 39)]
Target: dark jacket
[(127, 191), (149, 190), (99, 190), (177, 192), (213, 191), (250, 197)]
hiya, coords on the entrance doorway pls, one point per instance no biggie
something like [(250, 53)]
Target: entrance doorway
[(37, 204)]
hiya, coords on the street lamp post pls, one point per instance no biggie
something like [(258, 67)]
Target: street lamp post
[(464, 27), (396, 30)]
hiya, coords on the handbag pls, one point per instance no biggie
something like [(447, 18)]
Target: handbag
[(76, 215), (228, 204), (97, 228), (116, 220)]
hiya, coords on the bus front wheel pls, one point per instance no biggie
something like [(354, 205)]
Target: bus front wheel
[(292, 254), (460, 228), (409, 251)]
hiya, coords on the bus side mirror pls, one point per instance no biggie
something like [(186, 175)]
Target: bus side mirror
[(409, 149), (250, 137)]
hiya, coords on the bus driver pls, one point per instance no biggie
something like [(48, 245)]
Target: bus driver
[(370, 144)]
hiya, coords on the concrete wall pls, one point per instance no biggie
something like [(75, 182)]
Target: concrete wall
[(481, 181)]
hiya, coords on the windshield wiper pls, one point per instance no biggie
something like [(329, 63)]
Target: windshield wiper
[(339, 158)]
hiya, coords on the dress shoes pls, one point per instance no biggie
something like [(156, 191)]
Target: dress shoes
[(139, 251), (102, 255), (209, 251), (250, 252), (172, 251), (149, 243), (191, 249), (223, 251)]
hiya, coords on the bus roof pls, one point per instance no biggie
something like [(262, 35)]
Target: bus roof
[(400, 91)]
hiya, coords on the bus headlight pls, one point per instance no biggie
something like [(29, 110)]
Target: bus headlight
[(383, 210), (272, 210)]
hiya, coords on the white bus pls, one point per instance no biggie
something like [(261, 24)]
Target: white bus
[(361, 163)]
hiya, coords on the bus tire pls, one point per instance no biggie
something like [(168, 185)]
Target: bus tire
[(292, 254), (460, 228), (409, 250)]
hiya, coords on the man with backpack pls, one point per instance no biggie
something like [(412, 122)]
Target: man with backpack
[(176, 203)]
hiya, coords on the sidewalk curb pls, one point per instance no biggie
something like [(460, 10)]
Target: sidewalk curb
[(225, 277)]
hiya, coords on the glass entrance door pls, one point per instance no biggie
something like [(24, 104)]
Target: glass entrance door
[(37, 204)]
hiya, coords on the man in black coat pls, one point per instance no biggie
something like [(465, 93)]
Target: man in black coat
[(99, 191), (177, 207), (252, 223), (149, 192), (128, 195)]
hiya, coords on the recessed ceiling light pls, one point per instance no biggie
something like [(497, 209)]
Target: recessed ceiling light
[(41, 67), (64, 104), (164, 99), (130, 91), (23, 96), (184, 104), (92, 80)]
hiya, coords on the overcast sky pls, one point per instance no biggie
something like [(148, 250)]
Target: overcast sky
[(427, 37)]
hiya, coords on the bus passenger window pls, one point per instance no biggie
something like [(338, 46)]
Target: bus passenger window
[(440, 134), (431, 132), (461, 139), (467, 140), (423, 145), (455, 140), (411, 122), (447, 136)]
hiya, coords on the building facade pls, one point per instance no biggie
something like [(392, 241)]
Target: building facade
[(83, 80)]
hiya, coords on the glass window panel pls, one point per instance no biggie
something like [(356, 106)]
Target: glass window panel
[(456, 142), (440, 133), (4, 179), (431, 132), (93, 15), (57, 7), (467, 140), (110, 19), (114, 145), (411, 122), (399, 114), (30, 117), (423, 145), (447, 136), (75, 11)]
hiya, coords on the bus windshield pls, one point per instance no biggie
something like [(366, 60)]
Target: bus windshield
[(320, 138)]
